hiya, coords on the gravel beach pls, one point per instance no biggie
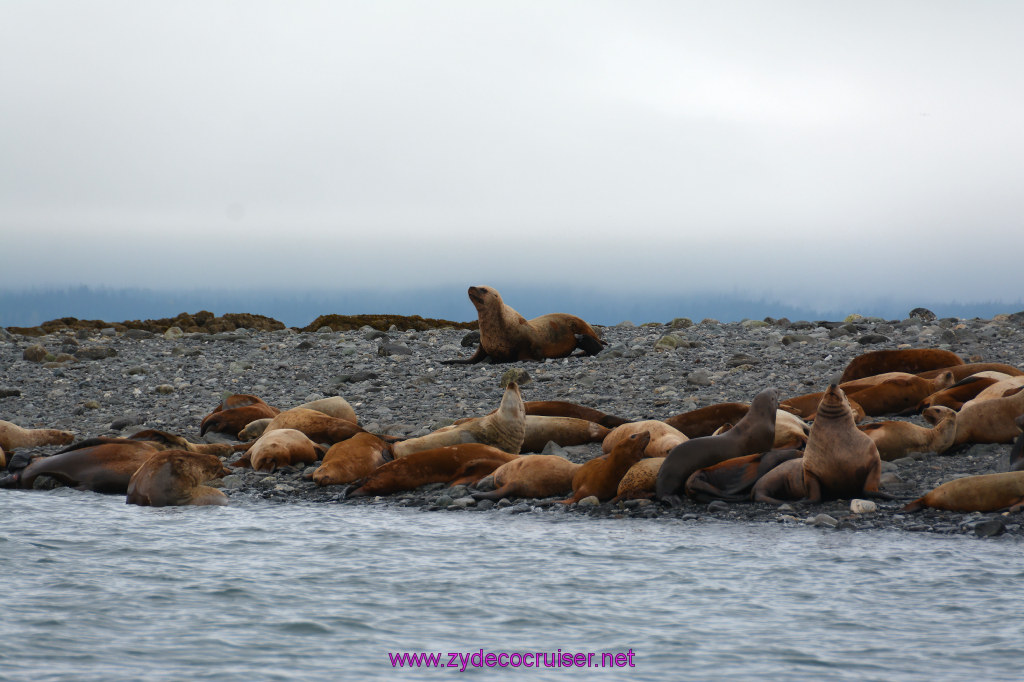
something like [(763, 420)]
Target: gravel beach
[(116, 381)]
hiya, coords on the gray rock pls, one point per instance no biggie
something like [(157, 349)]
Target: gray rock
[(35, 353), (96, 353)]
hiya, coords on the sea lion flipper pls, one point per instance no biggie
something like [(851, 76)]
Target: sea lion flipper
[(476, 357), (588, 344)]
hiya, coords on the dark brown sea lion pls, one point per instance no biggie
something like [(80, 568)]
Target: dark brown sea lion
[(733, 479), (13, 436), (839, 462), (351, 460), (755, 432), (600, 476), (1001, 389), (174, 478), (896, 439), (102, 468), (911, 360), (899, 394), (439, 465), (506, 336), (231, 420), (169, 441), (704, 421), (959, 393), (783, 483), (984, 493), (962, 371), (532, 476)]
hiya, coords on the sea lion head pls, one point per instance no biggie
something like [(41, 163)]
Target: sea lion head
[(483, 297), (766, 402), (834, 404)]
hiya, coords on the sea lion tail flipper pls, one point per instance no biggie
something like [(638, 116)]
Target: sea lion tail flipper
[(878, 495), (588, 344), (914, 506), (494, 495)]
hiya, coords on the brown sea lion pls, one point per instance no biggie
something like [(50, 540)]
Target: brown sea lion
[(899, 394), (600, 476), (639, 481), (663, 437), (989, 421), (281, 448), (984, 493), (174, 478), (705, 420), (896, 439), (233, 419), (505, 428), (959, 393), (911, 360), (564, 431), (103, 468), (532, 476), (13, 437), (506, 336), (839, 462), (350, 460), (783, 483), (320, 428), (439, 465), (1001, 389), (755, 432), (169, 441), (733, 479), (563, 408), (962, 371)]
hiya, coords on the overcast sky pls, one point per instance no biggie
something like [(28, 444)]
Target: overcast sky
[(811, 151)]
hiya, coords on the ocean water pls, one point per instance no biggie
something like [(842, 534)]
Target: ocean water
[(94, 589)]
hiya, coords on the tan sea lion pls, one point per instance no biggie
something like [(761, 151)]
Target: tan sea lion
[(639, 480), (790, 431), (703, 421), (839, 462), (350, 460), (959, 393), (281, 448), (334, 406), (962, 371), (103, 468), (532, 476), (320, 428), (563, 408), (1000, 389), (506, 336), (13, 437), (600, 476), (174, 478), (504, 428), (911, 360), (989, 421), (896, 439), (984, 493), (254, 429), (783, 483), (564, 431), (447, 464), (663, 437), (733, 479), (755, 432)]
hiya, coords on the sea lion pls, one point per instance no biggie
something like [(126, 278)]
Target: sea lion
[(983, 493), (703, 421), (438, 465), (600, 476), (281, 448), (506, 336), (504, 428), (959, 393), (989, 421), (320, 428), (169, 441), (564, 431), (899, 394), (805, 406), (639, 480), (911, 360), (563, 408), (174, 478), (783, 483), (755, 432), (1000, 389), (896, 439), (790, 431), (334, 406), (839, 462), (532, 476), (254, 429), (733, 479), (962, 371), (234, 413), (350, 460), (13, 437), (663, 437), (103, 468)]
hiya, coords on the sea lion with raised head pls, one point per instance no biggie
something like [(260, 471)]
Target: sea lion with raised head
[(910, 360), (351, 460), (507, 336), (532, 476), (983, 493), (175, 478), (896, 439), (505, 428), (755, 432), (448, 464), (840, 461), (600, 476), (563, 408)]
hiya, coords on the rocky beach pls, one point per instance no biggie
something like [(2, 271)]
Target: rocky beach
[(116, 379)]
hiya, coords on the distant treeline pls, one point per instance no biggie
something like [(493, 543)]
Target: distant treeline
[(31, 307)]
